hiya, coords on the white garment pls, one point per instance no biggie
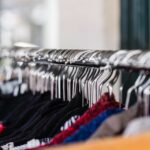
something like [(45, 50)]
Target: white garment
[(137, 126), (34, 143)]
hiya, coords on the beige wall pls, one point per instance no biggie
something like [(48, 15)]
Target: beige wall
[(92, 24)]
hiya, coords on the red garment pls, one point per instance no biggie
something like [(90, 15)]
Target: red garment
[(2, 127), (104, 103)]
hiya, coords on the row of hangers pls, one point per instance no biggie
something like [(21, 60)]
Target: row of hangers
[(135, 59), (66, 72)]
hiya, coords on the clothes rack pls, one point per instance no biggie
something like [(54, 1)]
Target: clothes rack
[(60, 96), (131, 59)]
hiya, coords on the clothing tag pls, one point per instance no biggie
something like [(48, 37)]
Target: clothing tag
[(8, 146), (69, 122), (33, 143), (23, 88), (16, 91)]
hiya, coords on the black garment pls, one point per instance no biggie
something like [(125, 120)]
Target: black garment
[(27, 101), (53, 125), (32, 116), (24, 101), (29, 116), (42, 119), (7, 105), (56, 129), (22, 131)]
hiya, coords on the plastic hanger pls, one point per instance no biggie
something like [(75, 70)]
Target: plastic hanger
[(95, 85), (141, 89), (92, 85), (75, 79), (138, 82), (82, 80), (129, 55), (71, 81), (121, 88), (110, 72), (84, 83), (112, 82), (146, 100)]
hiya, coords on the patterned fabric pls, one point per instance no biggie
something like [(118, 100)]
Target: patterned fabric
[(85, 131)]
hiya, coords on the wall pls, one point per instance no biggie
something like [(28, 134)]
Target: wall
[(92, 24)]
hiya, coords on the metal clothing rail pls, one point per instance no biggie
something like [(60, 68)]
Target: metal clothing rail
[(133, 59)]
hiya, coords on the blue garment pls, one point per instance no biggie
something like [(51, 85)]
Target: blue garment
[(85, 131)]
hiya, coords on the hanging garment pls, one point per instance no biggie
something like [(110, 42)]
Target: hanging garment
[(7, 111), (140, 142), (116, 124), (20, 114), (85, 131), (46, 121), (137, 126), (9, 102), (104, 103)]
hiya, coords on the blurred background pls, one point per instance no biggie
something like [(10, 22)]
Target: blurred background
[(61, 23), (92, 24)]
